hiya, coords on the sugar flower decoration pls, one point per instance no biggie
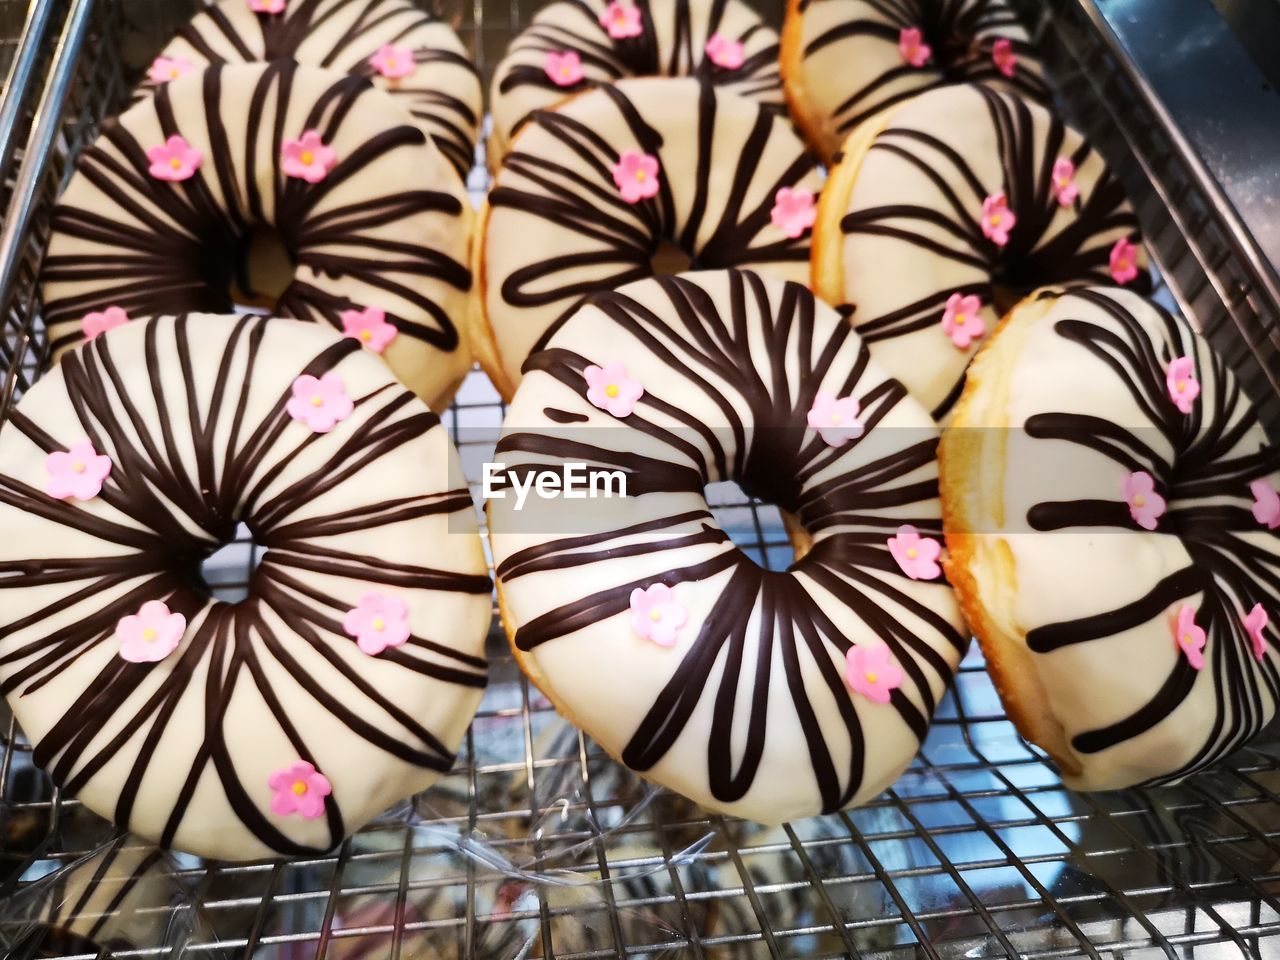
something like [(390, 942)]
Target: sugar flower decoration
[(1064, 182), (1003, 57), (656, 614), (835, 419), (610, 389), (174, 160), (1266, 504), (267, 6), (914, 51), (962, 319), (370, 327), (299, 788), (1145, 505), (319, 403), (1255, 621), (307, 158), (378, 621), (621, 21), (724, 52), (1182, 384), (794, 210), (636, 175), (394, 62), (917, 556), (1189, 636), (165, 69), (77, 473), (997, 218), (100, 321), (873, 672), (151, 634), (564, 69), (1124, 261)]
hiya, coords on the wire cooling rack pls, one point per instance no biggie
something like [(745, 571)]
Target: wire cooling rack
[(537, 845)]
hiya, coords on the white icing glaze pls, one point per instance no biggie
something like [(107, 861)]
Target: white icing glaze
[(557, 227), (728, 385), (389, 227), (377, 504), (673, 45)]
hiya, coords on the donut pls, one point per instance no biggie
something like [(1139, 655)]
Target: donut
[(844, 61), (946, 211), (164, 212), (1111, 511), (575, 45), (593, 190), (343, 682), (402, 48), (769, 695)]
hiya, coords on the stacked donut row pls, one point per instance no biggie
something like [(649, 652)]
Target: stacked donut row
[(303, 156)]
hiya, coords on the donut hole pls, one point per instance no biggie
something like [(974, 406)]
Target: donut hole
[(264, 269), (669, 259), (226, 572), (754, 525)]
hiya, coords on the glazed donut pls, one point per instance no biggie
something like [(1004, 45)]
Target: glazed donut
[(766, 695), (574, 45), (844, 61), (1110, 506), (346, 679), (402, 48), (592, 189), (164, 210), (947, 210)]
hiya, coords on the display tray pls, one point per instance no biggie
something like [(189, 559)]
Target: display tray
[(537, 844)]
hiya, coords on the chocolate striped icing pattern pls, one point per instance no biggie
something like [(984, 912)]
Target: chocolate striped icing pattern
[(443, 93), (192, 413), (672, 43), (850, 68), (908, 233), (388, 226), (749, 711), (558, 229)]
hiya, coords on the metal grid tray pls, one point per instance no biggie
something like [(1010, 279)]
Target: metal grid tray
[(537, 845)]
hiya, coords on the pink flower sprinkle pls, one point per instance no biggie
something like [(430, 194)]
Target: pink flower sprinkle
[(564, 69), (914, 52), (320, 404), (725, 53), (1003, 57), (299, 788), (165, 69), (1182, 384), (1124, 261), (997, 219), (835, 419), (917, 556), (267, 6), (873, 672), (1266, 504), (1145, 505), (656, 614), (1255, 621), (621, 21), (307, 158), (610, 389), (77, 473), (1064, 182), (151, 634), (794, 210), (962, 319), (174, 160), (636, 175), (1190, 637), (96, 322), (377, 622), (370, 327), (394, 62)]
